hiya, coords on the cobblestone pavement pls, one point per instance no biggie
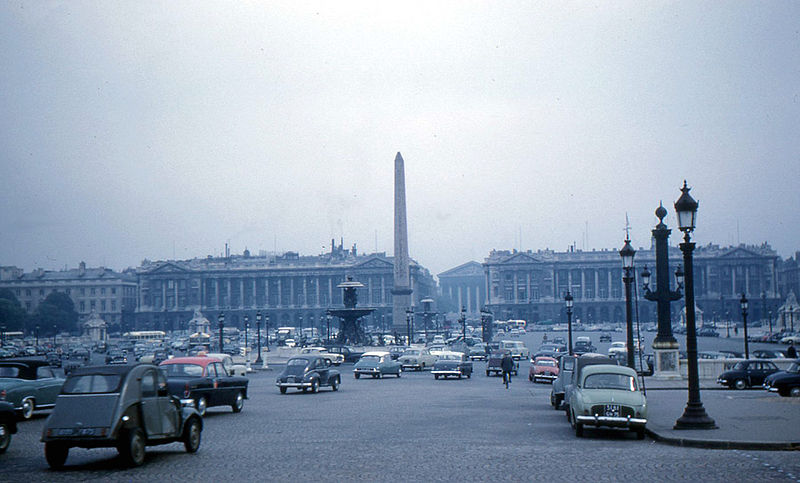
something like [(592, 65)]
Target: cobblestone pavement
[(407, 429)]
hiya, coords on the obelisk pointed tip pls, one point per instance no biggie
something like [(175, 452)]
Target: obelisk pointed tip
[(399, 157)]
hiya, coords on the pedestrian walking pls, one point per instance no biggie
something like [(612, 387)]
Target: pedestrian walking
[(791, 352), (507, 365)]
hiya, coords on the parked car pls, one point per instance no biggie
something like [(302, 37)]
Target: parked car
[(130, 408), (791, 339), (749, 373), (29, 385), (785, 383), (493, 365), (768, 354), (206, 381), (377, 364), (479, 352), (116, 357), (335, 358), (452, 364), (543, 368), (8, 424), (608, 396), (581, 362), (417, 359), (566, 364), (308, 373), (707, 332)]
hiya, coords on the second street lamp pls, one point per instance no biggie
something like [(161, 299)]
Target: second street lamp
[(464, 326), (743, 302), (627, 253), (259, 360), (221, 320), (568, 303), (694, 415)]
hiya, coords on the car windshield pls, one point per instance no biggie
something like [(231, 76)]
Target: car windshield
[(193, 370), (370, 359), (411, 353), (601, 380), (545, 363), (9, 371), (297, 363), (450, 357), (92, 384), (794, 368), (740, 366)]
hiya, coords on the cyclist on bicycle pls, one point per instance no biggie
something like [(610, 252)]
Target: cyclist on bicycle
[(507, 365)]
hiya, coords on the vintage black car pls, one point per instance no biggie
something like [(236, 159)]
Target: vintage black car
[(30, 385), (125, 407), (747, 373), (8, 425), (309, 373), (786, 383), (495, 358), (452, 364), (205, 380), (349, 355)]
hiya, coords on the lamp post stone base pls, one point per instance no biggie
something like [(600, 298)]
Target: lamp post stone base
[(695, 417), (666, 364)]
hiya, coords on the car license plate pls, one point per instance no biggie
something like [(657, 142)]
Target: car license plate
[(64, 432), (612, 410)]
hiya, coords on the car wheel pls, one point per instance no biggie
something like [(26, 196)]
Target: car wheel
[(132, 447), (283, 389), (436, 376), (487, 373), (740, 384), (335, 384), (191, 437), (794, 392), (238, 403), (314, 385), (469, 376), (357, 375), (639, 433), (378, 375), (530, 378), (398, 373), (28, 405), (202, 405), (5, 437), (56, 454)]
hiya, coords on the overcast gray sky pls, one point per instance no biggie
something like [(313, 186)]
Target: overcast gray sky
[(132, 130)]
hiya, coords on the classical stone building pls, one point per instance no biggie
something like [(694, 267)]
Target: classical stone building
[(531, 285), (463, 286), (293, 290), (112, 295)]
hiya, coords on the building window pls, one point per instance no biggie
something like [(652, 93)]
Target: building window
[(113, 290), (113, 305), (92, 290), (103, 305), (27, 292), (102, 291), (41, 291), (92, 304), (83, 306), (69, 291), (83, 291), (19, 292), (28, 306)]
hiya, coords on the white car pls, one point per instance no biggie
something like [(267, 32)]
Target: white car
[(438, 339), (417, 358), (791, 339), (227, 363), (618, 348), (517, 348), (336, 359)]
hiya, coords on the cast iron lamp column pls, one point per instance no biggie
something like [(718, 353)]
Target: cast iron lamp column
[(37, 339), (627, 253), (464, 325), (694, 415), (328, 321), (486, 320), (408, 325), (266, 328), (221, 320), (568, 303), (259, 360), (662, 295), (246, 343), (743, 302)]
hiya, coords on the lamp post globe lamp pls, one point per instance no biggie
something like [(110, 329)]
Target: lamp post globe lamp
[(694, 415), (568, 303), (744, 304), (627, 253), (259, 360), (221, 320)]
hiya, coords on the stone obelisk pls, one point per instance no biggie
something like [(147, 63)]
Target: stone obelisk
[(401, 292)]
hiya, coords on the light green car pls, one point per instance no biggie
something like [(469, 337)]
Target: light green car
[(608, 396)]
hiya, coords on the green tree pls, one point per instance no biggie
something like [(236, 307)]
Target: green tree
[(58, 310), (12, 316)]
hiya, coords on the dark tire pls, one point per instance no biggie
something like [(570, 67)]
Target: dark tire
[(487, 373), (794, 392), (283, 390), (398, 373), (5, 437), (579, 430), (378, 375), (201, 405), (459, 376), (28, 405), (192, 435), (335, 384), (56, 454), (436, 376), (132, 447), (314, 386), (357, 375), (238, 403), (530, 378), (639, 433), (469, 376), (740, 384)]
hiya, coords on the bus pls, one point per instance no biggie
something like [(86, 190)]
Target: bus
[(516, 324), (145, 336)]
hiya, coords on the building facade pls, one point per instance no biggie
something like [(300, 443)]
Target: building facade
[(463, 286), (111, 295), (531, 285), (293, 290)]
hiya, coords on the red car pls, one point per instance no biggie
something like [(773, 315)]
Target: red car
[(543, 368)]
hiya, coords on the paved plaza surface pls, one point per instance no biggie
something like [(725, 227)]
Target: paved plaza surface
[(410, 429)]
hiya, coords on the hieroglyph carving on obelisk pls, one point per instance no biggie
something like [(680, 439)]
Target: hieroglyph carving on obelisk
[(401, 292)]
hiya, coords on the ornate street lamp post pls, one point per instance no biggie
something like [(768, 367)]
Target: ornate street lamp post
[(694, 415), (221, 320), (464, 326), (568, 303), (328, 319), (246, 342), (259, 360), (486, 324), (266, 327), (743, 303), (37, 339), (409, 313), (627, 253)]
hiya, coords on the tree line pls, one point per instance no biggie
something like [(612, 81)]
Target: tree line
[(56, 313)]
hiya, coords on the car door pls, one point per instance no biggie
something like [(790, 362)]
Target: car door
[(323, 369), (170, 412), (151, 409), (227, 384), (216, 387), (48, 386), (759, 373)]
